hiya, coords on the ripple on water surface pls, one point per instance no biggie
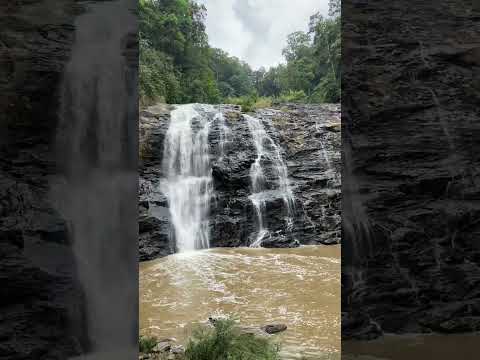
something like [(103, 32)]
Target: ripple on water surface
[(299, 287)]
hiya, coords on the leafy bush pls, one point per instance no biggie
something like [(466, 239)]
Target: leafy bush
[(246, 102), (250, 103), (226, 342), (146, 344), (263, 102)]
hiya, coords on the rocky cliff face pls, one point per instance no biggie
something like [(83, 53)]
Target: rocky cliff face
[(40, 295), (410, 255), (309, 137)]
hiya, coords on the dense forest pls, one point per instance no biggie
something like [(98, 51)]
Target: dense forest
[(177, 65)]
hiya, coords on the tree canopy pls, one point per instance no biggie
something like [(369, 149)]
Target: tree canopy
[(312, 61), (177, 65)]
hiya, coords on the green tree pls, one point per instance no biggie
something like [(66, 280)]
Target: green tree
[(298, 46), (312, 63), (327, 50), (235, 76), (174, 53), (157, 77)]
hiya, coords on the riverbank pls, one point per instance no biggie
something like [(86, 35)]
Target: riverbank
[(221, 338)]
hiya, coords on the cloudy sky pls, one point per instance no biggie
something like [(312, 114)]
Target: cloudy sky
[(256, 30)]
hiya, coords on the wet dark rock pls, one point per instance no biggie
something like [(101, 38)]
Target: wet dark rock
[(313, 161), (360, 326), (42, 301), (155, 238), (310, 143), (274, 328), (164, 350), (410, 253), (279, 241), (162, 346), (460, 325)]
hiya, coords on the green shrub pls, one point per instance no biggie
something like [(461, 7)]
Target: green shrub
[(293, 97), (225, 341), (146, 344), (250, 103), (263, 102), (246, 102)]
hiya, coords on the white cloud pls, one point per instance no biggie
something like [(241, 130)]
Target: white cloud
[(256, 30)]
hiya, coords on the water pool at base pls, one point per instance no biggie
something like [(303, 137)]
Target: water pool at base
[(298, 287)]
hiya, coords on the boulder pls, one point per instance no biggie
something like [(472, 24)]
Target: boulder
[(162, 347), (274, 328)]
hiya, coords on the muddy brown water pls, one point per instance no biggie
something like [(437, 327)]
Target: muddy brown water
[(414, 347), (298, 287)]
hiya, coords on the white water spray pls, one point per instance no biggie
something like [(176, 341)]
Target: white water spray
[(188, 184)]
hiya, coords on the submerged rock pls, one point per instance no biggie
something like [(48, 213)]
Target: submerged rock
[(161, 347), (274, 328)]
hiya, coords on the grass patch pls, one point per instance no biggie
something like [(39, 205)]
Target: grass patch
[(250, 103), (253, 102), (225, 341)]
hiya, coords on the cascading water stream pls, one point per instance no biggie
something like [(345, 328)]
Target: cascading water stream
[(267, 149), (188, 184), (324, 150), (224, 134), (96, 190)]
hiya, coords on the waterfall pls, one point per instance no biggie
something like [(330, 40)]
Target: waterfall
[(188, 184), (267, 150), (96, 190)]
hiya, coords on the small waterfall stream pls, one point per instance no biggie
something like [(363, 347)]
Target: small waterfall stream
[(225, 134), (267, 150), (188, 184)]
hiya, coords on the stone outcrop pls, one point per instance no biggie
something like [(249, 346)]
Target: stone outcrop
[(155, 230), (309, 136)]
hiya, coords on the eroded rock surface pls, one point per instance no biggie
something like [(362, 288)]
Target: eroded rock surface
[(42, 303), (410, 254)]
